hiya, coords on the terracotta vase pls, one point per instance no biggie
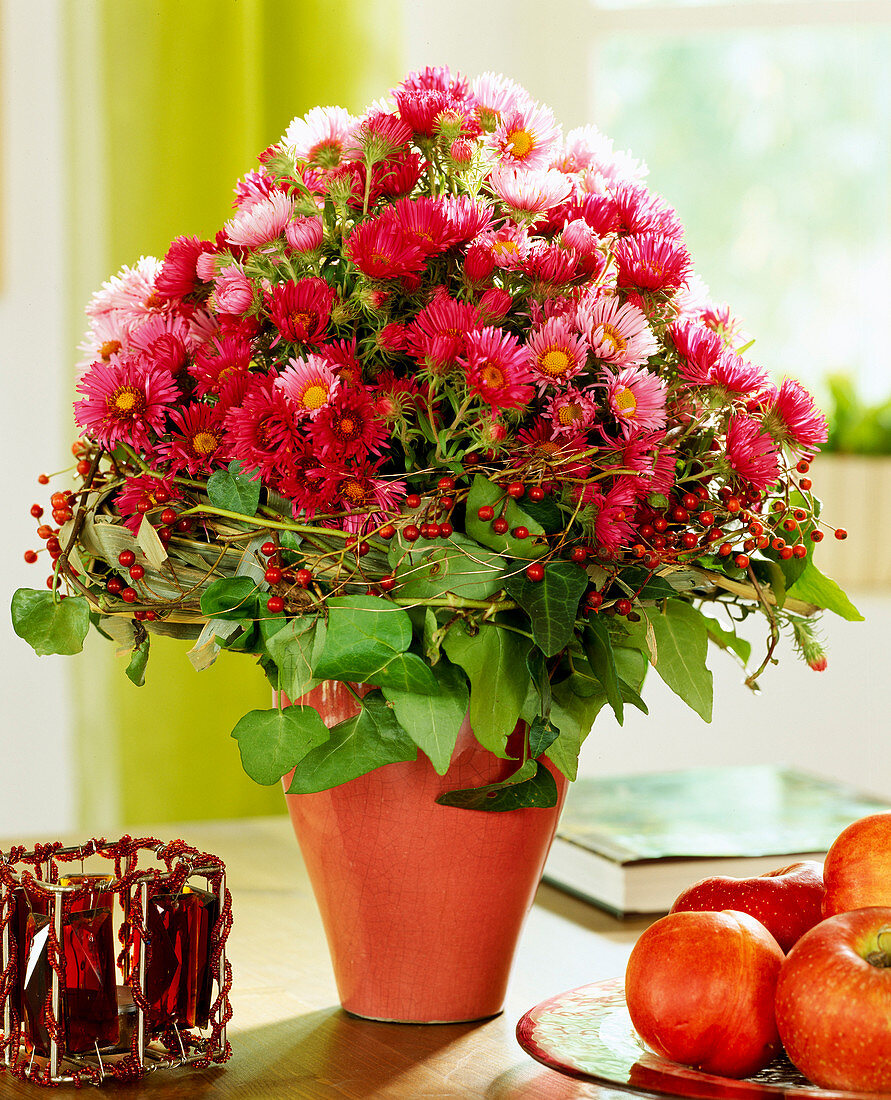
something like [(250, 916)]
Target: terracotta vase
[(422, 904)]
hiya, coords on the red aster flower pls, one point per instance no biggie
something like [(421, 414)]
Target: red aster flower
[(381, 250), (348, 427), (496, 368), (438, 78), (421, 107), (649, 262), (737, 378), (263, 433), (369, 499), (216, 362), (397, 175), (791, 417), (467, 218), (301, 311), (178, 276), (549, 458), (639, 211), (307, 484), (198, 444), (342, 356), (549, 264), (698, 350), (424, 223), (445, 319), (752, 453), (124, 401)]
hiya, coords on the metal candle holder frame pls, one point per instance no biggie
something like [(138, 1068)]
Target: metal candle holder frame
[(183, 863)]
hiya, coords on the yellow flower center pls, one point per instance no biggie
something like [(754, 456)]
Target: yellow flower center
[(302, 318), (625, 401), (353, 490), (347, 427), (314, 396), (107, 350), (204, 443), (504, 248), (520, 143), (128, 401), (568, 415), (492, 376), (554, 363), (611, 336)]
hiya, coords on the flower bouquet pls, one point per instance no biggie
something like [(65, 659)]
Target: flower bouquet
[(441, 414)]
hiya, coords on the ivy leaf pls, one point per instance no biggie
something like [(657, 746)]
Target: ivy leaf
[(495, 662), (728, 639), (433, 721), (681, 644), (542, 734), (271, 742), (136, 668), (551, 603), (484, 492), (231, 598), (368, 741), (431, 568), (816, 588), (49, 624), (233, 491), (599, 651), (530, 785), (538, 671), (291, 647)]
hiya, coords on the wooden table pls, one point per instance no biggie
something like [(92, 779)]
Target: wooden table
[(291, 1040)]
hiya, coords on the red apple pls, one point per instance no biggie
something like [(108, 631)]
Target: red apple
[(700, 989), (833, 1003), (857, 871), (787, 901)]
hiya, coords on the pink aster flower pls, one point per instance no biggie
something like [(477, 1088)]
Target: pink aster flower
[(613, 527), (217, 361), (347, 427), (525, 136), (496, 96), (570, 412), (381, 250), (301, 311), (587, 148), (140, 495), (198, 441), (130, 294), (494, 305), (309, 384), (178, 276), (556, 353), (466, 218), (319, 136), (106, 336), (164, 339), (651, 262), (252, 188), (424, 223), (793, 418), (496, 370), (233, 292), (642, 212), (547, 264), (751, 452), (508, 245), (305, 234), (636, 399), (529, 192), (698, 351), (377, 136), (617, 334), (261, 223), (369, 498), (421, 108), (737, 378), (125, 400)]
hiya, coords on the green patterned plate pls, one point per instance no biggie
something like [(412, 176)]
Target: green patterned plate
[(587, 1033)]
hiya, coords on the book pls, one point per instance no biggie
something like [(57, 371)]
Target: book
[(631, 844)]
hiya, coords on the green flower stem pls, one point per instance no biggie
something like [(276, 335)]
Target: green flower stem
[(298, 528), (450, 600)]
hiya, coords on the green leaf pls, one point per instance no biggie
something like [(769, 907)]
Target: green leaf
[(271, 742), (139, 659), (551, 603), (370, 740), (531, 785), (542, 734), (433, 721), (484, 492), (681, 646), (495, 662), (574, 715), (231, 598), (233, 491), (770, 573), (728, 639), (538, 671), (431, 568), (406, 672), (50, 624), (816, 588), (599, 651), (292, 649)]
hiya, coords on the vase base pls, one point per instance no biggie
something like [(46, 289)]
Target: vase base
[(423, 1023)]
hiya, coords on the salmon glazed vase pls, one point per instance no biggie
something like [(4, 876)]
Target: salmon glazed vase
[(442, 429)]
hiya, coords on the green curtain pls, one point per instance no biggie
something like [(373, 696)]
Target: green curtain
[(170, 101)]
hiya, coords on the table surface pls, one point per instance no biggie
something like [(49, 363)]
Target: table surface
[(290, 1039)]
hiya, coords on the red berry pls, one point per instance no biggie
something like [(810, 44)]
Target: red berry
[(733, 505), (114, 585), (646, 531), (275, 604), (762, 542), (44, 531), (387, 531), (53, 545), (168, 516), (638, 550), (786, 553), (724, 549), (680, 515), (144, 506), (51, 582), (59, 500), (706, 519), (411, 533), (485, 512), (756, 528), (362, 549), (268, 549), (805, 483), (789, 525), (387, 583), (803, 466), (500, 525), (749, 545), (446, 484), (778, 544), (61, 515), (272, 575), (690, 501), (471, 460), (151, 615), (816, 536), (128, 595), (579, 554), (623, 607), (535, 571), (137, 572), (516, 489), (536, 493), (139, 615), (42, 479), (36, 511), (660, 524), (30, 556), (165, 534), (841, 533), (303, 578), (742, 560), (689, 539), (594, 598), (126, 558), (446, 530), (799, 550), (162, 494), (83, 467), (413, 501), (520, 532)]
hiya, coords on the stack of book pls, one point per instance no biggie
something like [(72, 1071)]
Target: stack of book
[(631, 844)]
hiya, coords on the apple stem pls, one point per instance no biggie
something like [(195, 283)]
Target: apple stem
[(880, 957)]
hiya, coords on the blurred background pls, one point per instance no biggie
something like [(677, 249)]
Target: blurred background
[(125, 123)]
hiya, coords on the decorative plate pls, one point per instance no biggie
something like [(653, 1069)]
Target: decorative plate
[(587, 1033)]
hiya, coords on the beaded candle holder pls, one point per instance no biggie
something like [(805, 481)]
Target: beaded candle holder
[(72, 1012)]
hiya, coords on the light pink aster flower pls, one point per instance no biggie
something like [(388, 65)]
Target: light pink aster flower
[(233, 292), (556, 353), (106, 336), (496, 368), (305, 234), (525, 137), (793, 418), (309, 385), (752, 453), (319, 136), (618, 334), (587, 148), (252, 188), (125, 400), (529, 192), (129, 295), (508, 246), (261, 223), (637, 400), (497, 95), (570, 412)]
